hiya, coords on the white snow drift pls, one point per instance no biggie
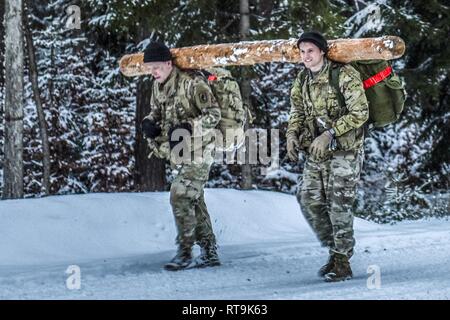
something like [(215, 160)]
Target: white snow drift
[(268, 251)]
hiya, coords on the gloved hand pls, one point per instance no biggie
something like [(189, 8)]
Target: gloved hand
[(158, 150), (292, 147), (320, 145), (150, 129), (185, 125)]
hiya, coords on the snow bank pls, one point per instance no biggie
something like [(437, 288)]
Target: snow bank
[(94, 226), (120, 241)]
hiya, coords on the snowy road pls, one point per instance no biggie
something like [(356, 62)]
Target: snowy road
[(120, 241)]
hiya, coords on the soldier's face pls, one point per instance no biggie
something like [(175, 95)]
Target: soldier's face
[(312, 56), (160, 70)]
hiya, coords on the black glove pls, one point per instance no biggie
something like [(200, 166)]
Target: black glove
[(150, 129), (184, 125)]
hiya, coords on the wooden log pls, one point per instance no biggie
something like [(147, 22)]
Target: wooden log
[(253, 52)]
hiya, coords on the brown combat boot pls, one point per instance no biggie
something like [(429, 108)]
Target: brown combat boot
[(341, 270), (327, 267), (208, 257)]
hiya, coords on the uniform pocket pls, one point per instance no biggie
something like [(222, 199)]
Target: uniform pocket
[(398, 94), (351, 140)]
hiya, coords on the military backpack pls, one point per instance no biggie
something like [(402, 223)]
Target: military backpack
[(234, 113), (384, 90)]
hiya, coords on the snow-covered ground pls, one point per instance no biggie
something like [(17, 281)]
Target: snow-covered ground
[(120, 241)]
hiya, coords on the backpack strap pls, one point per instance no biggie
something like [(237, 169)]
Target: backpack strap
[(302, 76), (335, 70)]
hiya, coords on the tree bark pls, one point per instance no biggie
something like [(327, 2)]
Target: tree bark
[(253, 52), (246, 173), (150, 174), (2, 43), (13, 165), (39, 107)]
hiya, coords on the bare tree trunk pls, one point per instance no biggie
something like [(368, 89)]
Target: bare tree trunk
[(245, 19), (39, 107), (13, 166), (247, 179), (150, 174), (2, 42), (50, 80)]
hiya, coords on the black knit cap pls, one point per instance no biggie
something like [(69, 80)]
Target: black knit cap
[(315, 37), (157, 52)]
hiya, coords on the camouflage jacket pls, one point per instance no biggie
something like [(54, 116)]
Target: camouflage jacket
[(182, 98), (315, 108)]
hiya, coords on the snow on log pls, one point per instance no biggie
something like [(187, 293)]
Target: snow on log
[(253, 52)]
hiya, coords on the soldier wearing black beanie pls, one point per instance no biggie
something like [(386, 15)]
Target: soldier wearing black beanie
[(334, 155), (316, 38), (157, 52), (181, 102)]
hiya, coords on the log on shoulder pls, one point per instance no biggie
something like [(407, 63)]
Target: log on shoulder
[(253, 52)]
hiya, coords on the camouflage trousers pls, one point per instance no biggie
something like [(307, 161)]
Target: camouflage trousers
[(326, 197), (188, 205)]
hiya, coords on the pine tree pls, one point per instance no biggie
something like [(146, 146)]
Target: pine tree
[(416, 146)]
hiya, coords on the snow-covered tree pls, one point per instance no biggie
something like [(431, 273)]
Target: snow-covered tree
[(93, 111)]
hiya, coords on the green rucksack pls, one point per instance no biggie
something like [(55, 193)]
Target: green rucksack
[(234, 113), (383, 88)]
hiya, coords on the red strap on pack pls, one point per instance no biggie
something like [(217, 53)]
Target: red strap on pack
[(212, 77), (380, 76)]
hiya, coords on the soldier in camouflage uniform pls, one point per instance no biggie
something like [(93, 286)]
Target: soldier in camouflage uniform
[(184, 104), (332, 138)]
